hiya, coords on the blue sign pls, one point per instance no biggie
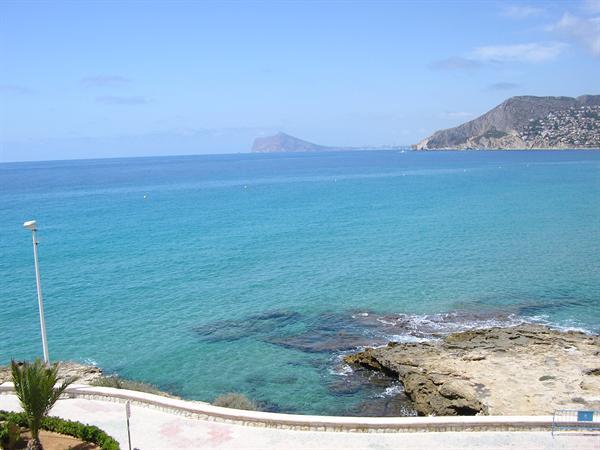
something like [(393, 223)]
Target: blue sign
[(585, 416)]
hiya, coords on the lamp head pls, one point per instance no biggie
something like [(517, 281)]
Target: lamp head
[(30, 225)]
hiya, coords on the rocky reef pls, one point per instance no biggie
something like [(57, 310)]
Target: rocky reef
[(522, 370)]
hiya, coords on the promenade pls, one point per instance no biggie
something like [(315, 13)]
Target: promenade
[(154, 427)]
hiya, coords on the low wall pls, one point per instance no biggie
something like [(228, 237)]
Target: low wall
[(205, 411)]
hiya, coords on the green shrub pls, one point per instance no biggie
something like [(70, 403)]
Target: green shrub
[(122, 383), (10, 434), (236, 401), (88, 433)]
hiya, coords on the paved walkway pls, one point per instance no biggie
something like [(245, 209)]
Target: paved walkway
[(155, 429)]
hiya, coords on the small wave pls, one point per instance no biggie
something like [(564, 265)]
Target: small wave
[(390, 391), (424, 327), (406, 338), (362, 314), (342, 370), (569, 325)]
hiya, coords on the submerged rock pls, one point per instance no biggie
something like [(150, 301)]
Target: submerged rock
[(317, 341), (255, 325), (523, 370)]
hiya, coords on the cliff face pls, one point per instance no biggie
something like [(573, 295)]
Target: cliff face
[(282, 142), (526, 122)]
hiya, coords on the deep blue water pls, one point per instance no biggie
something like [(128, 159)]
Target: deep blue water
[(254, 273)]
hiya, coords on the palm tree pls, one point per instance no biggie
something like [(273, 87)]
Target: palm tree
[(34, 385)]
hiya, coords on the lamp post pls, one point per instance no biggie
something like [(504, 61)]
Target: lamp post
[(31, 225)]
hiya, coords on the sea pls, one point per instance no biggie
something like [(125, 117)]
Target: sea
[(257, 273)]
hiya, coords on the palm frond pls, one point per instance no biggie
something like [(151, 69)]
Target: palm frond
[(36, 391)]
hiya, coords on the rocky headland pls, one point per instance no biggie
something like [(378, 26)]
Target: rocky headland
[(526, 122), (522, 370)]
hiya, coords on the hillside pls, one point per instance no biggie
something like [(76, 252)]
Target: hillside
[(526, 122)]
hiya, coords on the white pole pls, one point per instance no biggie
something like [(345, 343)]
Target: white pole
[(39, 294)]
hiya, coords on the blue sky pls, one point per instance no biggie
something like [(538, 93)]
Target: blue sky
[(103, 79)]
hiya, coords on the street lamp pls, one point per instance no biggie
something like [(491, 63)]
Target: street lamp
[(31, 225)]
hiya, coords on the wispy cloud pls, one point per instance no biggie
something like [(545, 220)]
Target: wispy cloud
[(502, 86), (456, 114), (15, 89), (120, 100), (583, 30), (592, 6), (534, 52), (455, 63), (105, 81), (520, 12)]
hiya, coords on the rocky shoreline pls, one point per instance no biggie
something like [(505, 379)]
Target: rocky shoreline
[(521, 370), (85, 374)]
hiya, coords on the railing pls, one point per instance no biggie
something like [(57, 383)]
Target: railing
[(574, 420), (205, 411)]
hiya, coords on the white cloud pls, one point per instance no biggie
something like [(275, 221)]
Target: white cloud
[(456, 114), (534, 52), (592, 6), (521, 11), (584, 30)]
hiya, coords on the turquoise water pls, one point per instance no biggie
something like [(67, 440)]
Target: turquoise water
[(254, 273)]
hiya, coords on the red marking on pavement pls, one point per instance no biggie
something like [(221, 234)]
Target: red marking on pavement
[(219, 435)]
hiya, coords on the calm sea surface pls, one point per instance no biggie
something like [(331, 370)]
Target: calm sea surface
[(254, 273)]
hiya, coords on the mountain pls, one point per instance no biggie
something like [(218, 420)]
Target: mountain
[(526, 122), (282, 142)]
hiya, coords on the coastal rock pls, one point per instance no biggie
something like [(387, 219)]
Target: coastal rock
[(85, 373), (396, 406), (522, 370)]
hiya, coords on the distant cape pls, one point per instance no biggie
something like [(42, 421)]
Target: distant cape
[(282, 142)]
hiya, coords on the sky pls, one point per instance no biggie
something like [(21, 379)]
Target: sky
[(107, 78)]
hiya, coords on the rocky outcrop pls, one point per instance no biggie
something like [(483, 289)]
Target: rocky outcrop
[(85, 374), (526, 122), (523, 370)]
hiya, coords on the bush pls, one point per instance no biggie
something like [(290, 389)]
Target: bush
[(121, 383), (236, 401), (10, 434), (88, 433)]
